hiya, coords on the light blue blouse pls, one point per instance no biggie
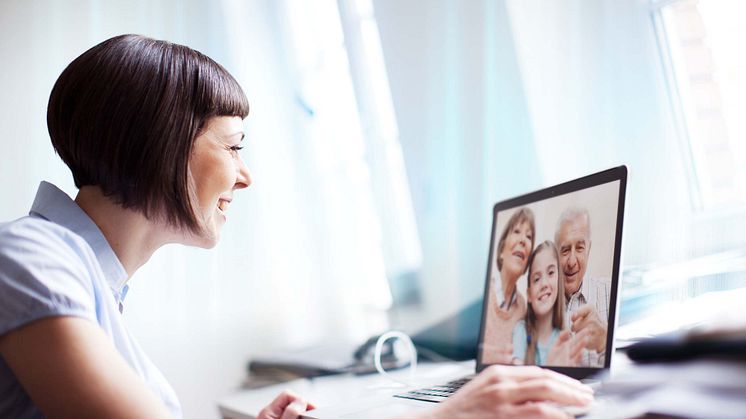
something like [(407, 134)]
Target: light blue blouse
[(56, 262), (520, 344)]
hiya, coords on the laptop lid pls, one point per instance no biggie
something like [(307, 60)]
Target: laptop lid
[(553, 276)]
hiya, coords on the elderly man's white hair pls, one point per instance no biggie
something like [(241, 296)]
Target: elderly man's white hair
[(571, 214)]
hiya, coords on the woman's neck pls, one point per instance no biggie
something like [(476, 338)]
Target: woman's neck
[(133, 237), (508, 283), (544, 328)]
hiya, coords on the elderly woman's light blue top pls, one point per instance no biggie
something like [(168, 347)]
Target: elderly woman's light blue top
[(56, 262)]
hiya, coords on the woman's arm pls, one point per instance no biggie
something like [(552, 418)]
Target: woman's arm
[(70, 368)]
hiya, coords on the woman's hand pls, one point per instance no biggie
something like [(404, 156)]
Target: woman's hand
[(514, 392), (287, 405), (568, 349)]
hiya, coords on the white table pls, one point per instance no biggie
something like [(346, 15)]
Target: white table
[(333, 389)]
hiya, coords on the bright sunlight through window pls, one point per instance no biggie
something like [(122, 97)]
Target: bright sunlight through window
[(702, 47)]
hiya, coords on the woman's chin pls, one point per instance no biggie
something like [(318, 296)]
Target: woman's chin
[(208, 243), (206, 239), (512, 271)]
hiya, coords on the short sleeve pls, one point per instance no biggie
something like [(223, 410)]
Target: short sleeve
[(43, 273)]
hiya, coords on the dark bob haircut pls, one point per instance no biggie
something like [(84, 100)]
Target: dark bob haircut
[(124, 115)]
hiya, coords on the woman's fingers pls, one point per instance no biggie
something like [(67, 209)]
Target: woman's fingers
[(498, 373), (542, 390), (524, 392), (287, 405), (537, 410), (294, 409)]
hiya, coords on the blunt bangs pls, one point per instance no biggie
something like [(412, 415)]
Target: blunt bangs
[(124, 115)]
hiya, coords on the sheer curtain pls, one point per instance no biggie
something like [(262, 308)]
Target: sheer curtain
[(597, 97), (498, 98), (300, 259), (465, 132)]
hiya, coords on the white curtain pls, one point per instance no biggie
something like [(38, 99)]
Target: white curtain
[(597, 97), (300, 260), (498, 98)]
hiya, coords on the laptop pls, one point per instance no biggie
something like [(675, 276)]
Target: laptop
[(563, 243)]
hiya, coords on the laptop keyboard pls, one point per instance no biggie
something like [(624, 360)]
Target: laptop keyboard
[(437, 393)]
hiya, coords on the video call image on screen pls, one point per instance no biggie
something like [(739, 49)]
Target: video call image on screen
[(550, 280)]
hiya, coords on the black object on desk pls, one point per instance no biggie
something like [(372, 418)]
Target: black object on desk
[(683, 346), (326, 359)]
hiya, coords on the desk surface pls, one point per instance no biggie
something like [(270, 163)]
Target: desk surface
[(330, 390)]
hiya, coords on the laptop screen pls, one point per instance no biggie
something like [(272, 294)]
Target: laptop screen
[(552, 278)]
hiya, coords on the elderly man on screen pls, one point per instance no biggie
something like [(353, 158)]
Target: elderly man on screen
[(587, 298)]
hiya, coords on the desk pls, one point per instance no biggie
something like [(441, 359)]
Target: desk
[(333, 389)]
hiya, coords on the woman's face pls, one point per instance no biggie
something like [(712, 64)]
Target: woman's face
[(518, 244), (217, 171), (542, 284)]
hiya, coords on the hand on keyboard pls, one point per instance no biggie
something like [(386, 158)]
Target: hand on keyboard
[(513, 392)]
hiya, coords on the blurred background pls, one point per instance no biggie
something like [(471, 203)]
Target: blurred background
[(382, 132)]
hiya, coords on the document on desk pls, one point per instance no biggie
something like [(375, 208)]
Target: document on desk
[(696, 389)]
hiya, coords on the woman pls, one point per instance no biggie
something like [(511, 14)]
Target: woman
[(506, 306), (151, 132), (540, 338)]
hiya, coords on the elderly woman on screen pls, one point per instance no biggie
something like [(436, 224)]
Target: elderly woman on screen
[(151, 132), (506, 306)]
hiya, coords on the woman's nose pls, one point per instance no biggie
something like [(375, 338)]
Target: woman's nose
[(244, 177)]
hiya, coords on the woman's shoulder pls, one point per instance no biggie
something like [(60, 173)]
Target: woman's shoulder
[(44, 270), (39, 248), (35, 234)]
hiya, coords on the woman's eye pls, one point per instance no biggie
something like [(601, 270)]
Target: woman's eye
[(236, 148)]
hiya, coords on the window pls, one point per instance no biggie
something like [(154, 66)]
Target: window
[(344, 92), (701, 46), (704, 67), (401, 245)]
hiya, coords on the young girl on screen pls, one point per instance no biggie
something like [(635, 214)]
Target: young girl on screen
[(540, 339)]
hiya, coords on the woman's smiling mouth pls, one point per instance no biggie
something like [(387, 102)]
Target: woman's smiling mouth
[(223, 204), (520, 255)]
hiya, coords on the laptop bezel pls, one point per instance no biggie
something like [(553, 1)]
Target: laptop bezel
[(596, 179)]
